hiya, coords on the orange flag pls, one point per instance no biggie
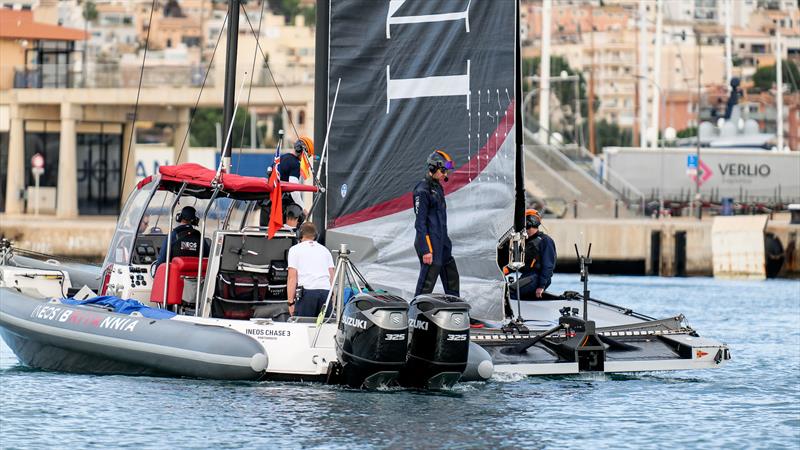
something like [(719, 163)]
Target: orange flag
[(276, 196)]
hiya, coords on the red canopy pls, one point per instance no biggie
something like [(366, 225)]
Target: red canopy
[(197, 175)]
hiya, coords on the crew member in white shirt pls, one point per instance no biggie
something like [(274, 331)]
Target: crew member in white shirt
[(310, 266)]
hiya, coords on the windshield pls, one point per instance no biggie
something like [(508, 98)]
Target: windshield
[(119, 252), (156, 217), (147, 212)]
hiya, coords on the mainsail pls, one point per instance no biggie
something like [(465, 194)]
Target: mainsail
[(417, 76)]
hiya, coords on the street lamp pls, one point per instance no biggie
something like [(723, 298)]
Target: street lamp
[(661, 144), (563, 77)]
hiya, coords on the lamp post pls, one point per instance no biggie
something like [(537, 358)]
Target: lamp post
[(662, 129), (563, 77), (699, 172)]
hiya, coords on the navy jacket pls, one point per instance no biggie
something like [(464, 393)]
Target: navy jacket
[(540, 259), (290, 166), (431, 221), (193, 237)]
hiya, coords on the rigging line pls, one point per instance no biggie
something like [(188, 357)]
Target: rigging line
[(250, 88), (138, 91), (196, 104), (269, 69), (202, 86)]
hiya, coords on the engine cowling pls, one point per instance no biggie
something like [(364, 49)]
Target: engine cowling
[(438, 341), (372, 340)]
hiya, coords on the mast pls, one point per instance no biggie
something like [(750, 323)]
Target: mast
[(642, 93), (321, 99), (544, 75), (519, 179), (728, 45), (230, 77), (779, 86), (656, 105)]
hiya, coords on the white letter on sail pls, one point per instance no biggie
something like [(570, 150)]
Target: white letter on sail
[(394, 5), (426, 87)]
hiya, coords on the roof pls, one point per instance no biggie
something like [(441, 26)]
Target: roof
[(20, 25), (235, 186)]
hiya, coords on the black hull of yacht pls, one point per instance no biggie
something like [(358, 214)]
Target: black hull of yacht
[(85, 339)]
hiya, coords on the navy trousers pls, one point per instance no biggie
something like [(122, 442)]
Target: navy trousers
[(311, 303), (428, 273)]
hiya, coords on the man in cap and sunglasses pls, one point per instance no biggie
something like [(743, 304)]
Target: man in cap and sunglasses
[(432, 243)]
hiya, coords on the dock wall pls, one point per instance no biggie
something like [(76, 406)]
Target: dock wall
[(668, 247)]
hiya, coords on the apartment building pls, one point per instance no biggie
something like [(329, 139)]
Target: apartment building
[(87, 120)]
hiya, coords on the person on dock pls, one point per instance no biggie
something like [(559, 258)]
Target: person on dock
[(185, 240), (540, 258), (311, 268), (432, 243)]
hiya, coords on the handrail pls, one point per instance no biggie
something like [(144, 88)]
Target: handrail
[(627, 192)]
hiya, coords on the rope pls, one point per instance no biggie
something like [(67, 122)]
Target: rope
[(202, 86), (138, 92), (269, 69), (250, 88)]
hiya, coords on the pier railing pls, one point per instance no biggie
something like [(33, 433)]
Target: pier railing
[(121, 75)]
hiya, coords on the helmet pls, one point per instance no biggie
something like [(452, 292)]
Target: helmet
[(532, 218), (304, 143), (188, 213), (439, 160), (293, 210)]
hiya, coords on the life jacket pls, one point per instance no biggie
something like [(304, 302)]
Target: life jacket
[(533, 249)]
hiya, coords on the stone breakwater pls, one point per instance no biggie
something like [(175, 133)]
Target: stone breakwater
[(85, 238)]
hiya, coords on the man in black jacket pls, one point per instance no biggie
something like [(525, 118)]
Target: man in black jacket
[(185, 240), (540, 258)]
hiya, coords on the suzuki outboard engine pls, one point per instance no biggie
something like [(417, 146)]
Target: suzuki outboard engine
[(372, 340), (438, 341)]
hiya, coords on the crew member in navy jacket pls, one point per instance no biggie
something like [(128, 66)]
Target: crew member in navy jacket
[(432, 244), (540, 258)]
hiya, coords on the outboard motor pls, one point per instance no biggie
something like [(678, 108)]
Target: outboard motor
[(438, 347), (372, 340)]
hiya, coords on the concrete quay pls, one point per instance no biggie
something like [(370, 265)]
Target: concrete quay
[(668, 247), (675, 246)]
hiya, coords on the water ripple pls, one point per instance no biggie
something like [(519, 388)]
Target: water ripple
[(753, 402)]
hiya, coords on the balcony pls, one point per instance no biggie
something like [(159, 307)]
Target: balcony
[(112, 75)]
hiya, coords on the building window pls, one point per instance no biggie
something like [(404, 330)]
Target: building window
[(99, 172)]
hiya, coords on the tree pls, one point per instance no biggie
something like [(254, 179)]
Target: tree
[(288, 8), (89, 11), (610, 134), (204, 130), (765, 77), (564, 92)]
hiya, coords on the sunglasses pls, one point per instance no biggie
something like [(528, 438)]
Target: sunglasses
[(448, 165)]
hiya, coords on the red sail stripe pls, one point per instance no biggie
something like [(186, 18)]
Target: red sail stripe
[(458, 179)]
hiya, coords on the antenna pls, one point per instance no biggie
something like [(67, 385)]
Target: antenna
[(585, 262)]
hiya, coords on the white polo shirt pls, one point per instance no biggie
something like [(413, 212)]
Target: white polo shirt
[(312, 261)]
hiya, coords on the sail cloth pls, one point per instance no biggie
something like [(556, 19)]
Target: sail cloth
[(417, 76)]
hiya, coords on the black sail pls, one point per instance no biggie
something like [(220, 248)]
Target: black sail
[(417, 76)]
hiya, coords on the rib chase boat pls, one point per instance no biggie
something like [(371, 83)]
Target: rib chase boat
[(400, 78), (225, 316)]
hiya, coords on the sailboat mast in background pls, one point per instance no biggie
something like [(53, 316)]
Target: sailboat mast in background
[(230, 78)]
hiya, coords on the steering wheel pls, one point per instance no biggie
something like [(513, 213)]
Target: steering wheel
[(153, 268)]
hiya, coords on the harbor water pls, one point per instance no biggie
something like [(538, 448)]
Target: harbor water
[(752, 402)]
